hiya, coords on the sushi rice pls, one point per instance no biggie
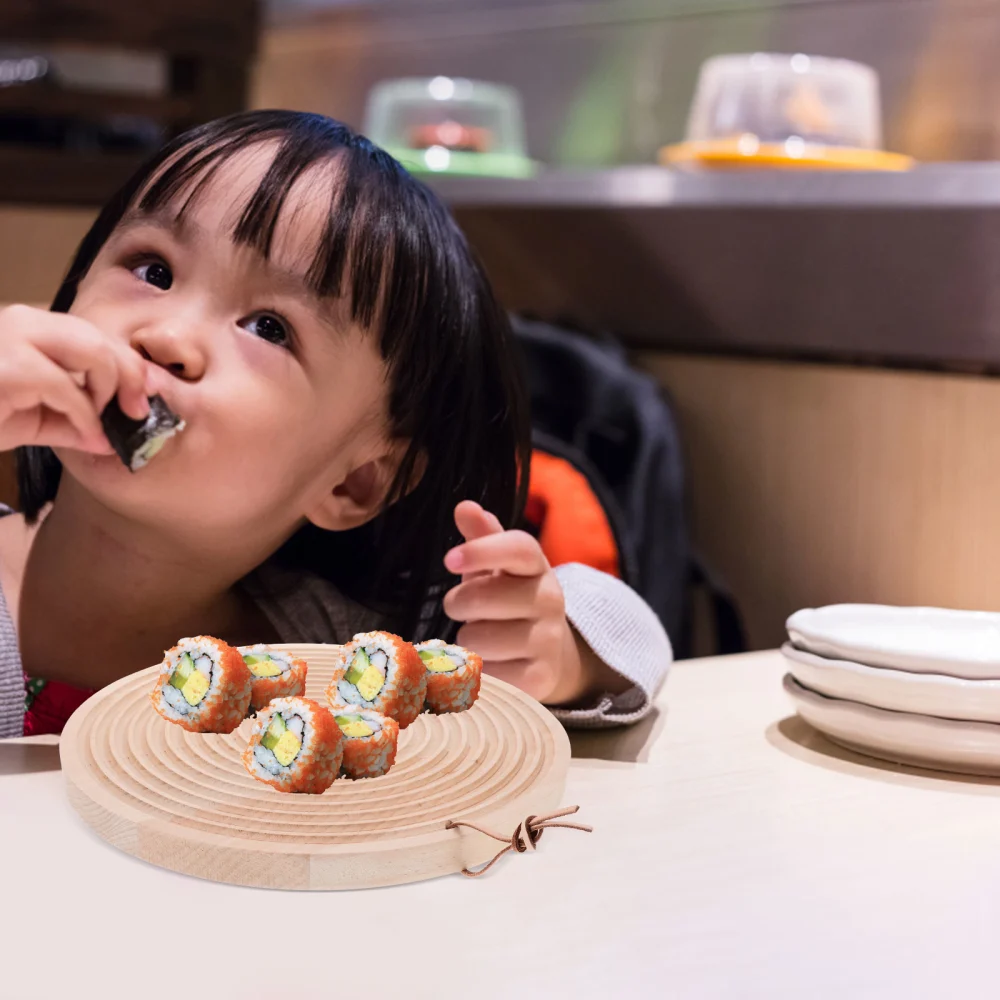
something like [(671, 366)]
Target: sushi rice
[(203, 686), (276, 674), (454, 675), (382, 672), (295, 746), (370, 741)]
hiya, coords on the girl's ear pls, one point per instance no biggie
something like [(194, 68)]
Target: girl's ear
[(359, 497)]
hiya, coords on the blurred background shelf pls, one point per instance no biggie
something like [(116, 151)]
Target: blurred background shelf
[(55, 177), (941, 185), (889, 269), (109, 82)]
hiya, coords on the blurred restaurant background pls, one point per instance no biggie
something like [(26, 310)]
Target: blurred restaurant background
[(811, 274)]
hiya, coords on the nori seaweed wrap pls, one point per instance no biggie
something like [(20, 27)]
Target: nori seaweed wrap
[(137, 441)]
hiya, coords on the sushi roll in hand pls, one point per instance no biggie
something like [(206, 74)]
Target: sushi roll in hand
[(203, 686), (275, 674), (136, 442), (454, 675), (369, 741), (295, 746), (382, 672)]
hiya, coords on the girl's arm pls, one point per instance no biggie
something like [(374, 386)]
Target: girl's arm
[(577, 639)]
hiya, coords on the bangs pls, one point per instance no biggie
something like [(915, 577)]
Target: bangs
[(353, 259)]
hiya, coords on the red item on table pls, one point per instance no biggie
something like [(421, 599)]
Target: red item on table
[(49, 704)]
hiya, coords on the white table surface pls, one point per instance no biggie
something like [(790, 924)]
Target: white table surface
[(735, 854)]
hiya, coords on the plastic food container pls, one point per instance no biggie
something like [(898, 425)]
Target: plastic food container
[(785, 111), (450, 125)]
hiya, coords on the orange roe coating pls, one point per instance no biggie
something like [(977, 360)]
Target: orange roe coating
[(286, 685), (456, 690), (317, 765), (402, 697), (222, 710), (372, 757)]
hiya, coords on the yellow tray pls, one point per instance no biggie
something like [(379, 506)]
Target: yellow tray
[(727, 154)]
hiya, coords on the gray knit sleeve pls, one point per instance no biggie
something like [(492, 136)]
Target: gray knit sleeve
[(11, 679), (11, 674), (621, 629)]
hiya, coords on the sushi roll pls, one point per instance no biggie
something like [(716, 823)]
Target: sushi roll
[(276, 674), (382, 672), (453, 675), (296, 746), (137, 441), (369, 741), (203, 686)]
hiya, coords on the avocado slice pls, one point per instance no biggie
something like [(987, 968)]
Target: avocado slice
[(184, 669), (427, 654), (343, 720), (353, 725), (358, 666), (275, 731), (252, 659)]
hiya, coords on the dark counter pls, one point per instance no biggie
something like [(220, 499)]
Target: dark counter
[(898, 269)]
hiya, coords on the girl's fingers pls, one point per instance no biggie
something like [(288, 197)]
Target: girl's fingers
[(44, 390), (474, 522), (499, 641), (57, 392), (503, 597), (530, 676), (514, 552), (110, 368), (55, 431)]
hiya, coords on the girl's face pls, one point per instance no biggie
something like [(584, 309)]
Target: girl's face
[(283, 397)]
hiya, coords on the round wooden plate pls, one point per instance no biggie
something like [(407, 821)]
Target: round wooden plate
[(184, 800)]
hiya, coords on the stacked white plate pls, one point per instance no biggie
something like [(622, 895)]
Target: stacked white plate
[(910, 685)]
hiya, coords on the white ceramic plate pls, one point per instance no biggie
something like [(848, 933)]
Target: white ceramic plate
[(896, 690), (922, 640), (938, 744)]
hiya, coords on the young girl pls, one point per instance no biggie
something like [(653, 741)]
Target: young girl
[(355, 437)]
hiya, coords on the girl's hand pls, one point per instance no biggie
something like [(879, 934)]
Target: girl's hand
[(57, 373), (515, 615)]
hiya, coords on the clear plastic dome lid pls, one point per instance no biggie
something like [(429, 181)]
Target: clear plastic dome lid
[(446, 124), (782, 98)]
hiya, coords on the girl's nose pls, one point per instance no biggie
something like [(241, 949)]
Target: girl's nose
[(166, 346)]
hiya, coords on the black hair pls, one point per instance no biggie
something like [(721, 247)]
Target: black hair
[(392, 252)]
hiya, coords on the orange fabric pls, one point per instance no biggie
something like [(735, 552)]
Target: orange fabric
[(573, 526)]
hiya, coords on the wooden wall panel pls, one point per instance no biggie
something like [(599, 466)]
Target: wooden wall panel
[(36, 245), (817, 484)]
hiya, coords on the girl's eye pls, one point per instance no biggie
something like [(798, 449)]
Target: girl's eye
[(155, 273), (268, 328)]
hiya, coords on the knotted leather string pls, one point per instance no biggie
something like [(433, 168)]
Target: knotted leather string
[(525, 837)]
